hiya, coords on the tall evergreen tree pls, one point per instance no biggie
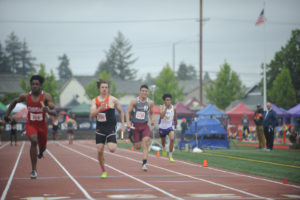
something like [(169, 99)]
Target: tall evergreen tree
[(206, 78), (18, 56), (27, 64), (149, 80), (119, 59), (225, 89), (4, 66), (64, 71), (167, 82), (13, 51), (186, 72), (283, 93)]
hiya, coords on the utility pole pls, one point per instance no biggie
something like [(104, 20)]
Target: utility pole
[(174, 57), (200, 52)]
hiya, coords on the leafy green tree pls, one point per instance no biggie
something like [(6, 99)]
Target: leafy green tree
[(225, 89), (50, 84), (283, 93), (8, 97), (186, 72), (92, 91), (64, 71), (118, 60), (4, 65), (288, 56), (167, 82)]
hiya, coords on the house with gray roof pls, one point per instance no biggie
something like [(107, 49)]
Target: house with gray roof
[(10, 83), (252, 97), (74, 90)]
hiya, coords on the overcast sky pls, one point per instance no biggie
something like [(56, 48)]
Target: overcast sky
[(84, 30)]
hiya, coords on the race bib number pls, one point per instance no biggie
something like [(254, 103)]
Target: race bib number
[(140, 115), (101, 117), (167, 118), (36, 117)]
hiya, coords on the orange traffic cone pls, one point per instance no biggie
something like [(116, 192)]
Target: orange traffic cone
[(204, 163), (284, 181), (158, 154), (132, 148)]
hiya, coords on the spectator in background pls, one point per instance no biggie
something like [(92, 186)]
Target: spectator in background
[(55, 126), (258, 120), (1, 129), (245, 123), (71, 125), (269, 123), (297, 130), (184, 126), (13, 131)]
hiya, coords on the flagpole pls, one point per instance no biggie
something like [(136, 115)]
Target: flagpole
[(265, 79)]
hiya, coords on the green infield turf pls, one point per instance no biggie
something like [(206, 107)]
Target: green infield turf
[(278, 164)]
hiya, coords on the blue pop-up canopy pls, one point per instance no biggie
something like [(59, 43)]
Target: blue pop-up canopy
[(210, 111), (210, 133)]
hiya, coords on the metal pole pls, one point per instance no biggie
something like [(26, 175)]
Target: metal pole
[(200, 54), (265, 79)]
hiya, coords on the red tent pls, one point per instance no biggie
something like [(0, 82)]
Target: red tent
[(236, 114), (182, 111), (156, 109)]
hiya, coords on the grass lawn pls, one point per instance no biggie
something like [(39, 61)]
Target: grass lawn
[(277, 164)]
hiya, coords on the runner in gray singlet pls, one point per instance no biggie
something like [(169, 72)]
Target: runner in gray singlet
[(139, 108)]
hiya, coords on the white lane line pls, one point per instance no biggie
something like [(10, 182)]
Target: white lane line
[(2, 146), (125, 174), (189, 176), (12, 173), (86, 194), (224, 171)]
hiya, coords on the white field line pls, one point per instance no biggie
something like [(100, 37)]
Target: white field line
[(86, 194), (125, 174), (189, 176), (224, 171), (12, 173), (2, 146)]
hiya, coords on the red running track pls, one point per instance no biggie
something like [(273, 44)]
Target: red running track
[(72, 172)]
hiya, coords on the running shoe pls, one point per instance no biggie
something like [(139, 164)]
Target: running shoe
[(164, 153), (144, 167), (104, 175), (171, 159), (33, 174)]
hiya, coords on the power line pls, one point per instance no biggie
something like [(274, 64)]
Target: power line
[(96, 21)]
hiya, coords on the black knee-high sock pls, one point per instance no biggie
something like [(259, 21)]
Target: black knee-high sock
[(144, 161)]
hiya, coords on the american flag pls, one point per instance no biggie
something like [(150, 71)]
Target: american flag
[(261, 19)]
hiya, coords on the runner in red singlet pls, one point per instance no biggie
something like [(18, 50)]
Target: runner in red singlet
[(36, 127)]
